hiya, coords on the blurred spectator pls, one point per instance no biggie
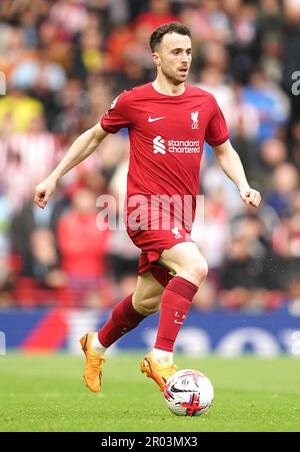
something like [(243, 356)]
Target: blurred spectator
[(285, 183), (13, 48), (83, 247), (116, 43), (210, 232), (212, 79), (237, 271), (273, 152), (26, 221), (19, 109), (45, 260), (271, 29), (90, 50), (72, 105), (270, 102), (134, 73), (217, 185), (159, 13), (74, 10), (41, 74), (99, 98), (214, 55), (28, 157), (286, 261), (208, 22), (139, 47), (242, 277), (57, 42)]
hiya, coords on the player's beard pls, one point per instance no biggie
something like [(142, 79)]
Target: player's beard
[(174, 76)]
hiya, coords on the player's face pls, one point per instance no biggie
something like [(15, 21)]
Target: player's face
[(173, 57)]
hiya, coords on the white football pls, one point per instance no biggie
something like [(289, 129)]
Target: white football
[(188, 393)]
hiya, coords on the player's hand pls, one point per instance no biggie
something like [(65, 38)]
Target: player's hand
[(250, 197), (43, 191)]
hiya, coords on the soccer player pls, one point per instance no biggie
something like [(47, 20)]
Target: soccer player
[(168, 121)]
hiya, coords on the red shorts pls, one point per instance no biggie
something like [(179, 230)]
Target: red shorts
[(152, 243)]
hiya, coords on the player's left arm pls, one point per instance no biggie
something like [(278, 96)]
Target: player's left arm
[(232, 166)]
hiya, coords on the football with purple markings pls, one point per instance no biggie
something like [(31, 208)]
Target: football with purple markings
[(189, 393)]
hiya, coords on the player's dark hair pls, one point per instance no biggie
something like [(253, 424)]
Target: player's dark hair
[(171, 27)]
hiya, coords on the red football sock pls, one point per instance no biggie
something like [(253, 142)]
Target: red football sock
[(123, 319), (176, 301)]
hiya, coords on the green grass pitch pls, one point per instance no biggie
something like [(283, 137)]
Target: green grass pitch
[(47, 393)]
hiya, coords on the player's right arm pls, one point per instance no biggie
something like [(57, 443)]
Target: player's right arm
[(82, 147)]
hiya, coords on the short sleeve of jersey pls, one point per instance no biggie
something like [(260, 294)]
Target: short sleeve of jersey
[(216, 131), (116, 117)]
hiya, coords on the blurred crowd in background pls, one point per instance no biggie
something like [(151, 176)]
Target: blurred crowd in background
[(64, 62)]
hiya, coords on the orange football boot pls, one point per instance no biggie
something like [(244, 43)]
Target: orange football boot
[(94, 361), (160, 373)]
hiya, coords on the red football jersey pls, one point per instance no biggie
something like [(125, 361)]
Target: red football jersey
[(166, 134)]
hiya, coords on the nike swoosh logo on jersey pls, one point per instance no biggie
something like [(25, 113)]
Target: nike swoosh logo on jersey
[(155, 119)]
